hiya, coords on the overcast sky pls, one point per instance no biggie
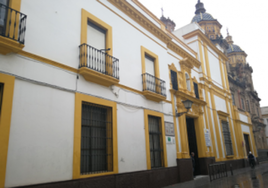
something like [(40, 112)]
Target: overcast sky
[(247, 24)]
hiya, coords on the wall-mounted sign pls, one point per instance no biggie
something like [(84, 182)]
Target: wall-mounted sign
[(170, 140), (207, 138), (169, 127)]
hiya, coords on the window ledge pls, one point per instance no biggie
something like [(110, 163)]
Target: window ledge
[(97, 77), (153, 96), (8, 46), (229, 156)]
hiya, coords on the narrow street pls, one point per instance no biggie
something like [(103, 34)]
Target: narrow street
[(242, 178)]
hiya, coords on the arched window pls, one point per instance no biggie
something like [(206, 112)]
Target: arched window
[(188, 84)]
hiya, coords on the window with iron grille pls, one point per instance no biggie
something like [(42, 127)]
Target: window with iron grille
[(96, 139), (174, 80), (156, 142), (227, 138), (196, 90)]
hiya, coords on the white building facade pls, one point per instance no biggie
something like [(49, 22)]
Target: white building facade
[(90, 91)]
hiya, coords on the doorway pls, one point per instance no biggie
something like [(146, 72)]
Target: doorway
[(246, 138), (192, 143)]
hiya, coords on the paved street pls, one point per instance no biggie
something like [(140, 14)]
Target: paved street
[(242, 178)]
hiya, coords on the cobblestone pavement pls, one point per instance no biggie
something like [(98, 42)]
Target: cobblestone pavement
[(242, 178)]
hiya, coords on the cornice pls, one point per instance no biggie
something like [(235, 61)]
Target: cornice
[(208, 42), (134, 14), (191, 98), (175, 48), (164, 36)]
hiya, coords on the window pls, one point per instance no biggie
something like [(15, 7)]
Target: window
[(149, 65), (96, 36), (227, 138), (242, 103), (188, 84), (96, 139), (3, 15), (248, 106), (156, 143), (174, 80), (233, 99), (196, 90)]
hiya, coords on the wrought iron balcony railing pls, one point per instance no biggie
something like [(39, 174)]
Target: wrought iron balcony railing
[(153, 84), (98, 60), (12, 24)]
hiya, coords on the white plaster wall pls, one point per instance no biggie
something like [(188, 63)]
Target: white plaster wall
[(204, 60), (131, 139), (171, 153), (41, 135), (214, 68), (243, 118), (213, 124), (36, 70), (220, 104), (144, 13), (194, 46)]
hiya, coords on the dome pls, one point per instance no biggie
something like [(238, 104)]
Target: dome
[(234, 48), (202, 17)]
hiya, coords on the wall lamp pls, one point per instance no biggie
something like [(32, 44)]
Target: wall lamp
[(187, 104)]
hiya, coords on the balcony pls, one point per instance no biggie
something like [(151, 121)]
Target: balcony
[(12, 30), (153, 88), (97, 66)]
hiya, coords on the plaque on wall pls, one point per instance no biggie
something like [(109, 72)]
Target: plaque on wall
[(207, 138), (169, 127)]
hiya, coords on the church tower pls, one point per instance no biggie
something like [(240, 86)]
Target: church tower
[(210, 25)]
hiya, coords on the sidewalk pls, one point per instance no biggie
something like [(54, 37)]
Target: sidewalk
[(242, 178)]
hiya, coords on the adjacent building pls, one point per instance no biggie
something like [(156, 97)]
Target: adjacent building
[(264, 112), (92, 95)]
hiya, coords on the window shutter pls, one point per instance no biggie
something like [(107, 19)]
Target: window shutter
[(149, 65), (196, 90), (96, 36), (174, 80)]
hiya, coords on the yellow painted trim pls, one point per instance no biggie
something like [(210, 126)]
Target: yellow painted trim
[(145, 51), (97, 77), (132, 25), (206, 40), (15, 4), (175, 125), (48, 61), (85, 17), (207, 62), (79, 98), (218, 132), (7, 46), (147, 142), (210, 124), (201, 56), (222, 75), (5, 122), (226, 76), (200, 136)]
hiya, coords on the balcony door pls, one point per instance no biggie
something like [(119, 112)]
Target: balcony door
[(150, 70), (3, 15), (96, 39)]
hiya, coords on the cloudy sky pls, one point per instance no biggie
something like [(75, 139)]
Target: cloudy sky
[(246, 21)]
